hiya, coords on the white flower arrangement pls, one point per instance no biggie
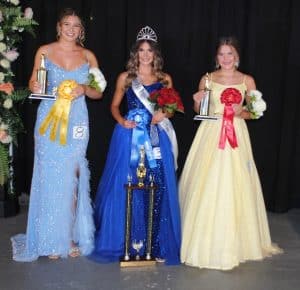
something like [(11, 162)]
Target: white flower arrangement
[(96, 79), (8, 103), (256, 105)]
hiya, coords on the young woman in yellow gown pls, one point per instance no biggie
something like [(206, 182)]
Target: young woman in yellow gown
[(224, 219)]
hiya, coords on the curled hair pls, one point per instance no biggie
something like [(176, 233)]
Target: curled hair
[(71, 12), (133, 62)]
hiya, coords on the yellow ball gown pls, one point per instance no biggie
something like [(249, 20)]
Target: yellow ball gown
[(224, 218)]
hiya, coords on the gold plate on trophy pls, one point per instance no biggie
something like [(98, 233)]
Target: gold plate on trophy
[(200, 117)]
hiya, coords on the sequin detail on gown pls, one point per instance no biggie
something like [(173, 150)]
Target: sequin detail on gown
[(111, 196), (60, 180)]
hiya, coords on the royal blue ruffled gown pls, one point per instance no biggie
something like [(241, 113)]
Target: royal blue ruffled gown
[(60, 210), (111, 195)]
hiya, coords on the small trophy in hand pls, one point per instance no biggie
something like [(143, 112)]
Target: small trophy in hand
[(42, 75), (205, 102)]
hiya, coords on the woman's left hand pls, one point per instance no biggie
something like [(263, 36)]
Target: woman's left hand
[(158, 116), (238, 109), (78, 91)]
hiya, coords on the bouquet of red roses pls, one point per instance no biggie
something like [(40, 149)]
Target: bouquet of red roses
[(166, 99)]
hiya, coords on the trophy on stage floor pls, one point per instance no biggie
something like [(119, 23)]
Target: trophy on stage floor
[(42, 80), (205, 102), (137, 260)]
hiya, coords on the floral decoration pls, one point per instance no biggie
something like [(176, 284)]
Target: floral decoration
[(96, 79), (256, 105), (13, 22), (166, 99)]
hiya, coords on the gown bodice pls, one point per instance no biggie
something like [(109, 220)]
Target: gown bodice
[(216, 107), (56, 74), (132, 100)]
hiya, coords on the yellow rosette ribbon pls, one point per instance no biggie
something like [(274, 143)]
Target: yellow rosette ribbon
[(58, 115)]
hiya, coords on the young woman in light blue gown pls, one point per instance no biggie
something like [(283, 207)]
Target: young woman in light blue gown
[(144, 75), (60, 221)]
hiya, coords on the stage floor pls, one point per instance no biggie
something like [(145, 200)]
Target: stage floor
[(281, 272)]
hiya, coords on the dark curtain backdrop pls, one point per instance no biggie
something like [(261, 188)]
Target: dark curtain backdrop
[(187, 31)]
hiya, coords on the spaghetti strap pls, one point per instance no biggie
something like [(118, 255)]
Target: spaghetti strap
[(86, 57)]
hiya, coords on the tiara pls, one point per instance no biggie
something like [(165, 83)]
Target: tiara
[(147, 33)]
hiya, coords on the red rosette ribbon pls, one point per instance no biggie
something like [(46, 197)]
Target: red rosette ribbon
[(229, 97)]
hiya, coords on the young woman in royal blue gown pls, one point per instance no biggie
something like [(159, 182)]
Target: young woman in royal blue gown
[(144, 75), (60, 218)]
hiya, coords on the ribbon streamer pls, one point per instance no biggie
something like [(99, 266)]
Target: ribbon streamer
[(227, 130), (58, 116), (140, 137)]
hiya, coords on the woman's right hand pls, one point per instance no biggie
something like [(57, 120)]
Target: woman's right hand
[(197, 97), (128, 124), (35, 87)]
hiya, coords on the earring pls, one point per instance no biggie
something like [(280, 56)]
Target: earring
[(236, 64), (58, 34), (217, 66)]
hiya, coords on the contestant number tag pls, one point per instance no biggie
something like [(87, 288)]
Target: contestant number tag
[(156, 152), (79, 132)]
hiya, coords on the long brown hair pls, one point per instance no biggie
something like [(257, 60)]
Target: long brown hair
[(71, 12), (133, 62), (227, 40)]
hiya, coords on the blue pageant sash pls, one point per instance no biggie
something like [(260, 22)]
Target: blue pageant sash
[(140, 137), (165, 124)]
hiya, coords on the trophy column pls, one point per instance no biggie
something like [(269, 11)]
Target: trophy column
[(128, 219), (150, 218)]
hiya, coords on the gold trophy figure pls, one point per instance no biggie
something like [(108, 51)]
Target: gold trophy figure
[(204, 105), (42, 75), (205, 102), (141, 169)]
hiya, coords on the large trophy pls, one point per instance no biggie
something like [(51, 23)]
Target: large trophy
[(205, 102), (138, 260), (42, 80)]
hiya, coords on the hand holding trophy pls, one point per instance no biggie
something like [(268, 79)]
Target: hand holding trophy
[(42, 83), (203, 96)]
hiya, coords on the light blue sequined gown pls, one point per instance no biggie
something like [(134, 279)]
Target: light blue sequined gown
[(60, 209), (111, 195)]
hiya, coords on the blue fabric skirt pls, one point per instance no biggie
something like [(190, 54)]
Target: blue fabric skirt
[(110, 209)]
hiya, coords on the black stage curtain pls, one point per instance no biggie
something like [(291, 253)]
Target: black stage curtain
[(187, 31)]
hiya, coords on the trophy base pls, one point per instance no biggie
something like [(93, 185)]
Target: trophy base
[(202, 117), (137, 263), (42, 97)]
